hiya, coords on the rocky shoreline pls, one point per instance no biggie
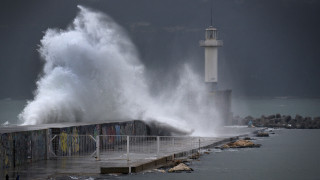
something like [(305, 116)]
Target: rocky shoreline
[(279, 121)]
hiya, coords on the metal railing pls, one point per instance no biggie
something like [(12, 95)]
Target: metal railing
[(121, 147), (72, 145)]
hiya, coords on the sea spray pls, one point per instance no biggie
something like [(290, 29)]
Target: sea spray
[(92, 72)]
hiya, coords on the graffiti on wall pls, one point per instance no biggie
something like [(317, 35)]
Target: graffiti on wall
[(64, 142), (38, 145), (75, 141), (29, 146), (6, 145)]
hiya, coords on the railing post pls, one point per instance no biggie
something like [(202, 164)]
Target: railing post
[(48, 144), (199, 145), (173, 148), (98, 147), (128, 143), (173, 144), (158, 145)]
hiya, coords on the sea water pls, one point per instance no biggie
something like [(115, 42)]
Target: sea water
[(287, 154), (242, 106), (258, 106)]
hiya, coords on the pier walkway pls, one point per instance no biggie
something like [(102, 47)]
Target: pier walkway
[(116, 154)]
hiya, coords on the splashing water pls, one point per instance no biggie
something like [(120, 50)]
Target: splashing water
[(92, 73)]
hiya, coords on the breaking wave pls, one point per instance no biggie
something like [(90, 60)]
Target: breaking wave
[(92, 72)]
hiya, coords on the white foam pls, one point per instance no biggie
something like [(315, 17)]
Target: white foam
[(92, 72)]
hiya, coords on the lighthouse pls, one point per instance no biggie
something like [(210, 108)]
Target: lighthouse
[(211, 44), (217, 96)]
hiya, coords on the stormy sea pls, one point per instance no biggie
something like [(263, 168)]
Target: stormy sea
[(287, 154), (241, 106), (88, 77)]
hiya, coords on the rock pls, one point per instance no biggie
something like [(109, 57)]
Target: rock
[(179, 168), (299, 118), (308, 118), (287, 119), (176, 162), (280, 121), (316, 118), (263, 134), (225, 146), (277, 120), (271, 121), (271, 117), (160, 170), (240, 144), (195, 156)]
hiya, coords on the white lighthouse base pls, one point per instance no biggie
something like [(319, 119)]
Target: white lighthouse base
[(221, 100)]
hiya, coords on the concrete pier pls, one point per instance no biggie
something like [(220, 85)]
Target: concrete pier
[(25, 150), (25, 145)]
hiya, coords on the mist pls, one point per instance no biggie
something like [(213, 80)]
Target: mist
[(92, 72)]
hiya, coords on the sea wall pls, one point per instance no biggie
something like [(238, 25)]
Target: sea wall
[(18, 148), (21, 147)]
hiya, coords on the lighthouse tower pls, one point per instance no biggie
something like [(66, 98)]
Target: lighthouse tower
[(211, 44)]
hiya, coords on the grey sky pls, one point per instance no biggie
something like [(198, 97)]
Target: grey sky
[(270, 46)]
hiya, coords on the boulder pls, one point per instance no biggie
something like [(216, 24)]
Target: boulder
[(287, 118), (299, 118), (180, 167), (263, 134), (316, 119), (243, 143), (195, 156), (240, 144), (277, 120), (225, 146), (160, 170), (271, 116)]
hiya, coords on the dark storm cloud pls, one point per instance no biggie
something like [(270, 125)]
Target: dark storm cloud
[(270, 46)]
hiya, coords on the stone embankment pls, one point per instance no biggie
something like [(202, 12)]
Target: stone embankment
[(279, 121)]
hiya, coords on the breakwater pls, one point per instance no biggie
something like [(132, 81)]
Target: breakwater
[(119, 144), (20, 145), (279, 121)]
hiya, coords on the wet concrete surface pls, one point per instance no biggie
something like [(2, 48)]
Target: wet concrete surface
[(87, 166)]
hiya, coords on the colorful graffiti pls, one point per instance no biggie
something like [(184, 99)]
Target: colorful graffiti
[(6, 144), (38, 145), (75, 141), (18, 148), (64, 142)]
